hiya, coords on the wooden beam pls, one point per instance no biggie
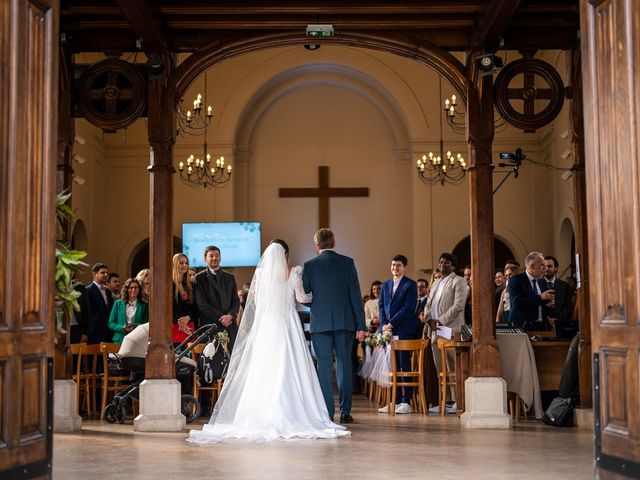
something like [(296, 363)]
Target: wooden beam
[(492, 25), (143, 21)]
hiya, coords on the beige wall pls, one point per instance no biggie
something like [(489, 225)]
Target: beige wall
[(281, 113)]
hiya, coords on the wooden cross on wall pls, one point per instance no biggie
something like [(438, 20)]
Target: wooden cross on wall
[(323, 193)]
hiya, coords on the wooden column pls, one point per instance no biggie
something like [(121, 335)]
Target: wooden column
[(582, 234), (485, 356), (66, 135), (162, 129)]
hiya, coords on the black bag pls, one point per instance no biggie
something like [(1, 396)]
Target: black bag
[(210, 369), (560, 412)]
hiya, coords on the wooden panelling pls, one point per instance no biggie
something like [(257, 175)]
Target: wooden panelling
[(32, 393), (28, 106), (614, 418), (611, 52)]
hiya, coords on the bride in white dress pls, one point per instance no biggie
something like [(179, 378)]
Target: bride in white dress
[(271, 390)]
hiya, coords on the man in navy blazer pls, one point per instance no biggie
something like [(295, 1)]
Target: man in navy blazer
[(397, 306), (100, 304), (529, 296), (337, 316)]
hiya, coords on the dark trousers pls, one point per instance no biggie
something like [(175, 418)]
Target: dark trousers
[(324, 344)]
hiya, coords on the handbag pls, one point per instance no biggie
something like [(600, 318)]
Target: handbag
[(560, 412)]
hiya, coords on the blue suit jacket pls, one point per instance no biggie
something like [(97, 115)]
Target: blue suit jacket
[(336, 305), (525, 303), (399, 309)]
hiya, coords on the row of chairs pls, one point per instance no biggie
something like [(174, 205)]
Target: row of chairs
[(89, 377)]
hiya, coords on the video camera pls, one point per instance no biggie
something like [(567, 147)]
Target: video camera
[(516, 157)]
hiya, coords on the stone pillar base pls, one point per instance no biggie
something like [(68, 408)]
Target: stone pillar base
[(65, 407), (583, 418), (159, 407), (485, 403)]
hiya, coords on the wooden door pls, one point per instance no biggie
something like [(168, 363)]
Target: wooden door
[(611, 76), (28, 113)]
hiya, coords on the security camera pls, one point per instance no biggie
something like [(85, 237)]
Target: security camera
[(516, 157), (312, 46), (487, 64)]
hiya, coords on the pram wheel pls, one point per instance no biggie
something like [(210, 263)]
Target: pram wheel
[(190, 407), (114, 413)]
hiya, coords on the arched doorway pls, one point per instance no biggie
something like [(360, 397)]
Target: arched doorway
[(501, 252), (140, 255)]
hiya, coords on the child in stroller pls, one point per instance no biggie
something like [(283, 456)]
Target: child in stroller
[(132, 355)]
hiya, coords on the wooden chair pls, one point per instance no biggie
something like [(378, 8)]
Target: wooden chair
[(86, 375), (446, 377), (111, 384), (412, 378), (215, 388), (514, 401)]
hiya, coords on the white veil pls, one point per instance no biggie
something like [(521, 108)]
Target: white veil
[(269, 297)]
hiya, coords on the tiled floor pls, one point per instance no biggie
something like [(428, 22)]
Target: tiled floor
[(381, 446)]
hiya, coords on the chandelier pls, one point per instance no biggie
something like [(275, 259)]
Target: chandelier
[(196, 171), (452, 109), (440, 167)]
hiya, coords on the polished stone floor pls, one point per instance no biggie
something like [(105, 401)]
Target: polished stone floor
[(381, 446)]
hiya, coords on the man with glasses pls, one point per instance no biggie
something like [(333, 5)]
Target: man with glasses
[(445, 307)]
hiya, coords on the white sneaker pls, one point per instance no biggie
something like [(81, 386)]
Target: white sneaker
[(384, 409), (404, 408), (453, 408), (435, 409)]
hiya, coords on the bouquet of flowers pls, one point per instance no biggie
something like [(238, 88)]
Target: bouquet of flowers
[(223, 338), (386, 337)]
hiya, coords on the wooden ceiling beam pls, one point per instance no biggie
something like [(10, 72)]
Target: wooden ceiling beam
[(144, 23), (495, 20), (321, 8)]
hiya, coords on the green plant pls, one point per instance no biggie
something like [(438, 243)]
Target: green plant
[(67, 261)]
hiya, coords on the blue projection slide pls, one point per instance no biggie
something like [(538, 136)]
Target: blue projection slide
[(239, 242)]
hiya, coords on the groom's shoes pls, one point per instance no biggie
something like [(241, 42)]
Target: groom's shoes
[(346, 418)]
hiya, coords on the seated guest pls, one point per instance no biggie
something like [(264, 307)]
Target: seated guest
[(504, 305), (528, 297), (184, 311), (144, 280), (371, 314), (129, 311)]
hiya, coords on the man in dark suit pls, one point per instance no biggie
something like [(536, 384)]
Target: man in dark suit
[(100, 305), (397, 306), (216, 294), (529, 297), (337, 316), (563, 304)]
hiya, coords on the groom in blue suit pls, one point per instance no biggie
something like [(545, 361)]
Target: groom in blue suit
[(337, 316)]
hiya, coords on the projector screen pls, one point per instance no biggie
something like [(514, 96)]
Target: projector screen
[(239, 242)]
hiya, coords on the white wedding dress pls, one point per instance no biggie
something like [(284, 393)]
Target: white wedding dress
[(271, 390)]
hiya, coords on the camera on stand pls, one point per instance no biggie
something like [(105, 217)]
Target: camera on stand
[(516, 157)]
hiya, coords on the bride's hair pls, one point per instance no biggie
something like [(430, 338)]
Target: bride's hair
[(281, 242)]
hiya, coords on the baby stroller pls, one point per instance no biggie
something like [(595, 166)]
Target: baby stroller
[(131, 358)]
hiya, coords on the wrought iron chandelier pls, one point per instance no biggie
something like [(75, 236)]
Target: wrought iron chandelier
[(197, 172), (440, 167)]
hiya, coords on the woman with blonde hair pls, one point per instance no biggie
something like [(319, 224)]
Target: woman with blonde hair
[(144, 279), (184, 312)]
